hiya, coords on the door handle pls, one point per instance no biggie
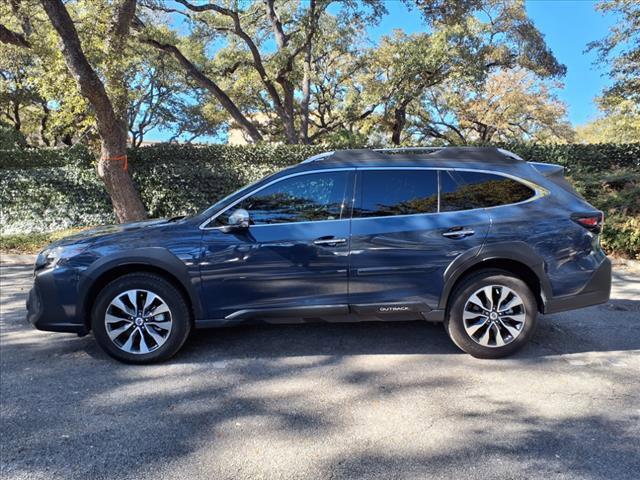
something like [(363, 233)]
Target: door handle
[(329, 241), (458, 232)]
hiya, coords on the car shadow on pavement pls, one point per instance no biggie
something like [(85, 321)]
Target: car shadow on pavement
[(71, 413), (609, 327), (588, 330)]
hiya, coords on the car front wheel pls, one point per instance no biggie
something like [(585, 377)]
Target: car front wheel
[(492, 314), (140, 318)]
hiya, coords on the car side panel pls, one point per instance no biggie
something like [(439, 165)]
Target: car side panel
[(275, 266), (403, 258), (571, 254)]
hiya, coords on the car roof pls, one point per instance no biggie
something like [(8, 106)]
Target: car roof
[(450, 157)]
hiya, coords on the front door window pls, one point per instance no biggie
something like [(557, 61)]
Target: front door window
[(303, 198)]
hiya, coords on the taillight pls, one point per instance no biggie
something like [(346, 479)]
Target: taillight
[(591, 221)]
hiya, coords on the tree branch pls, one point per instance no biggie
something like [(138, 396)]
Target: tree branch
[(282, 38), (206, 7), (13, 38), (209, 85), (90, 85), (279, 105), (123, 18)]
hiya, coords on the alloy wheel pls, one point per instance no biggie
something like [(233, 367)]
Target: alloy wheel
[(494, 316), (138, 321)]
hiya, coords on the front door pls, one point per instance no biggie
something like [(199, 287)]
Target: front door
[(293, 258), (408, 226)]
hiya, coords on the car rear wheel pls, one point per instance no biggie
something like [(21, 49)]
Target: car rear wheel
[(492, 314), (140, 318)]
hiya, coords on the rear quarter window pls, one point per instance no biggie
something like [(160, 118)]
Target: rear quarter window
[(483, 190)]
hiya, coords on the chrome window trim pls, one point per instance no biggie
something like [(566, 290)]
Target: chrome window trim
[(203, 225), (539, 192)]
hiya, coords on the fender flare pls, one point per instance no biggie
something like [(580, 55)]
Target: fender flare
[(157, 258), (517, 251)]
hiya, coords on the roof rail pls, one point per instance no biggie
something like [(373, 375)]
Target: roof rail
[(319, 156), (510, 154), (454, 152), (407, 149)]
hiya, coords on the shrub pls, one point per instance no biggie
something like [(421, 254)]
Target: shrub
[(42, 190), (10, 138)]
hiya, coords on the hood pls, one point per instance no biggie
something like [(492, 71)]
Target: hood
[(88, 236)]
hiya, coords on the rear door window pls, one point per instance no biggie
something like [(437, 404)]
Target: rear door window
[(384, 193), (453, 195)]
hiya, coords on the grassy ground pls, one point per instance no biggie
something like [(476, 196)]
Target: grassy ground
[(33, 242)]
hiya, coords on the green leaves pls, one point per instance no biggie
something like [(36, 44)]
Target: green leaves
[(620, 50), (43, 190)]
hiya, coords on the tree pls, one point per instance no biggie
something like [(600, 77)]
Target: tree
[(159, 98), (466, 40), (621, 51), (619, 103), (270, 46), (36, 101), (21, 105), (401, 68), (110, 110), (620, 123), (510, 105), (108, 100)]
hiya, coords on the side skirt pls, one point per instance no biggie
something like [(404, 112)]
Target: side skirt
[(398, 311)]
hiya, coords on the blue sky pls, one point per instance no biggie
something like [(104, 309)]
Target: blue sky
[(568, 26)]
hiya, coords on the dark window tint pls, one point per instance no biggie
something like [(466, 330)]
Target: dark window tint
[(397, 192), (312, 197), (487, 190), (453, 196)]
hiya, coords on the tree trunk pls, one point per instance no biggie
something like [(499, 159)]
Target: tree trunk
[(43, 123), (400, 120), (124, 196), (306, 79), (111, 127), (306, 97), (289, 110)]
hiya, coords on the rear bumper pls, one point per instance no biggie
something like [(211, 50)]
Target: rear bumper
[(597, 291), (45, 310)]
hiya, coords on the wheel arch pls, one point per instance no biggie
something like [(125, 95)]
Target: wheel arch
[(158, 261), (517, 258)]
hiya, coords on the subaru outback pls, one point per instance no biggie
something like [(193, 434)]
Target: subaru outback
[(475, 238)]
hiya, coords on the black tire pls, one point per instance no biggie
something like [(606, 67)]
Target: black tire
[(178, 311), (455, 325)]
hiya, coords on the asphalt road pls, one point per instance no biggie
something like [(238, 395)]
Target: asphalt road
[(326, 401)]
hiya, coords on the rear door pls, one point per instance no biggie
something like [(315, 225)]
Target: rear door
[(408, 225)]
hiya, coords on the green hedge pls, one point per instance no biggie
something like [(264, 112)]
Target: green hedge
[(43, 190), (577, 157), (24, 158)]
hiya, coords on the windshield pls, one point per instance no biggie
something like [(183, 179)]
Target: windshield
[(209, 211)]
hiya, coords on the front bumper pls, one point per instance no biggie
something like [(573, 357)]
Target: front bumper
[(597, 291), (52, 308)]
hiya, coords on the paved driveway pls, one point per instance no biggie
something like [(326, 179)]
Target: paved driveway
[(326, 401)]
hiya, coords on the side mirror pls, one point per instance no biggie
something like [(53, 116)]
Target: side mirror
[(238, 220)]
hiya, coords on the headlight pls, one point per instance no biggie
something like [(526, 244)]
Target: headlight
[(50, 257)]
